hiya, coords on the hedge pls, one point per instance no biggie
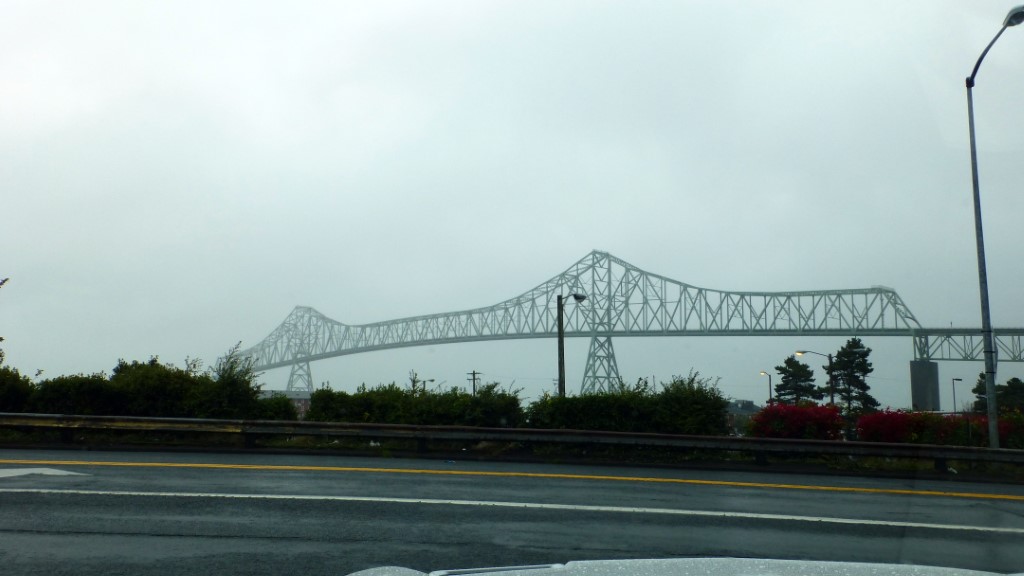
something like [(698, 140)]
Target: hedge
[(805, 421), (391, 404), (686, 405), (930, 428), (147, 389)]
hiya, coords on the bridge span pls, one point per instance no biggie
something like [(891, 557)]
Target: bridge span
[(625, 301)]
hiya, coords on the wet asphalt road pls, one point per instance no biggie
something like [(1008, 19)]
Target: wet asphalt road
[(81, 512)]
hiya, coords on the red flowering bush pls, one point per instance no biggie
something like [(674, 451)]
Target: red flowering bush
[(807, 421), (1011, 430), (885, 426), (930, 428)]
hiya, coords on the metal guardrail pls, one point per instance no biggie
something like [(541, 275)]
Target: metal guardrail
[(250, 430)]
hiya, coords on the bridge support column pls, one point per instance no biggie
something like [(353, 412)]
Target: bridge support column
[(602, 372), (300, 377), (924, 385)]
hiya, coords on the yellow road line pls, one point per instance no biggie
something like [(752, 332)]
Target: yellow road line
[(543, 475)]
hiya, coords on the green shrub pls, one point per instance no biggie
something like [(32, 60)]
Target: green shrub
[(326, 405), (77, 394), (384, 404), (15, 390), (494, 407), (276, 407), (229, 390), (623, 409), (392, 404), (151, 389), (687, 405), (691, 405), (227, 399)]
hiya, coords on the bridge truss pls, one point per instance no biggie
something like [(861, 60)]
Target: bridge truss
[(622, 300), (967, 344)]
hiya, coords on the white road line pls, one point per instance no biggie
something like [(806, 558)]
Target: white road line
[(12, 472), (528, 505)]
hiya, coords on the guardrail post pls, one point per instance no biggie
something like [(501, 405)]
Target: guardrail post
[(760, 458), (941, 465)]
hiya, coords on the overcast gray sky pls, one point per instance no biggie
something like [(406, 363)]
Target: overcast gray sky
[(177, 176)]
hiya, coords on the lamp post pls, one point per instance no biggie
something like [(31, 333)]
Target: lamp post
[(1013, 18), (955, 380), (831, 378), (770, 398), (560, 305)]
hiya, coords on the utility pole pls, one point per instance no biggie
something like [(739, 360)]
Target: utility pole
[(559, 311), (472, 378), (1013, 18)]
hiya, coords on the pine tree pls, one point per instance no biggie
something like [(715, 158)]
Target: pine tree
[(796, 382), (981, 400), (1009, 396), (850, 369)]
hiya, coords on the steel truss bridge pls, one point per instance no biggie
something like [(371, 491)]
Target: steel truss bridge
[(623, 300)]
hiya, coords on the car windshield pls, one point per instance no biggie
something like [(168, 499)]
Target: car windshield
[(319, 287)]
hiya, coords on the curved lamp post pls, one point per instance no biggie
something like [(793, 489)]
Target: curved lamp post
[(1013, 18), (770, 398), (831, 378), (560, 304)]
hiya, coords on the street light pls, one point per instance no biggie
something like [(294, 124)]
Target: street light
[(763, 373), (831, 378), (1013, 18), (560, 302), (955, 380)]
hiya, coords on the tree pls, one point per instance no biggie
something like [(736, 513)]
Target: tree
[(77, 394), (1009, 396), (152, 389), (15, 390), (850, 368), (277, 407), (981, 400), (797, 382), (691, 405), (229, 390)]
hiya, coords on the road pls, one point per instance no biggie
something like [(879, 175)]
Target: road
[(81, 512)]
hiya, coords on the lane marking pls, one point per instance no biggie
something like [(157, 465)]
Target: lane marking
[(528, 506), (541, 475), (11, 472)]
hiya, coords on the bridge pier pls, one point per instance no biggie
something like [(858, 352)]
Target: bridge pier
[(300, 377), (602, 371), (924, 385)]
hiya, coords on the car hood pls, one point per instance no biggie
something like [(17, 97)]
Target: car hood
[(691, 567)]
